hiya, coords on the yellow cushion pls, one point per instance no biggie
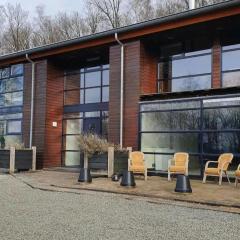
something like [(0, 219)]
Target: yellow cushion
[(177, 169), (137, 168), (214, 171), (237, 173)]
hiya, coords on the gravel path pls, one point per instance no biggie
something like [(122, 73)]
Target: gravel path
[(26, 214)]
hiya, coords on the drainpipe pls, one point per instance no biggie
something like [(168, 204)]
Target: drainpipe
[(121, 89), (32, 101)]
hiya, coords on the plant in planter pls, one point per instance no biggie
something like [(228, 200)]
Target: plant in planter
[(91, 144), (2, 142), (95, 150)]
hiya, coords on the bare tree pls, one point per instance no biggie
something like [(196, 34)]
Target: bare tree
[(141, 10), (70, 25), (163, 8), (110, 10), (45, 29), (16, 29), (93, 18)]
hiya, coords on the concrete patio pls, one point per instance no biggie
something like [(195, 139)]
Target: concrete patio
[(155, 187)]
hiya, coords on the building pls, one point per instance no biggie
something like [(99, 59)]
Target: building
[(180, 90)]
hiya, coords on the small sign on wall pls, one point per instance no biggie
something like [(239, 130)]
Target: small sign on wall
[(54, 124)]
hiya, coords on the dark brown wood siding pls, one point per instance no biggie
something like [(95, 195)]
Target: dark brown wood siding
[(131, 94), (54, 113), (216, 68), (39, 107), (114, 94), (148, 71)]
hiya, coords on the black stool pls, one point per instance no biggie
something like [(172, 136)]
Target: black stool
[(85, 175), (128, 179), (183, 184)]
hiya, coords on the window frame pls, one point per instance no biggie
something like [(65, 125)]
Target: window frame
[(185, 55), (229, 49), (201, 131), (82, 89)]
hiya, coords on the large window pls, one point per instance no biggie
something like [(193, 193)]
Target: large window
[(187, 71), (231, 65), (89, 85), (85, 88), (11, 101), (76, 123), (203, 127)]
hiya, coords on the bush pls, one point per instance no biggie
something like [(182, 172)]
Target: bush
[(91, 144)]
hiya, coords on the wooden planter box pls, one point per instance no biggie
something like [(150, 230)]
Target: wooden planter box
[(23, 159), (100, 162), (5, 159), (18, 159)]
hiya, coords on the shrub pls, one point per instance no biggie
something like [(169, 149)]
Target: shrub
[(91, 144)]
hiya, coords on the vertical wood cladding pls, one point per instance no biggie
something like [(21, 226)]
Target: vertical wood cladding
[(114, 94), (27, 103), (39, 107), (54, 113), (140, 76), (131, 93), (148, 71), (216, 68)]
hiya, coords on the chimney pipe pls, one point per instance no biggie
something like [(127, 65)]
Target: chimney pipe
[(192, 4)]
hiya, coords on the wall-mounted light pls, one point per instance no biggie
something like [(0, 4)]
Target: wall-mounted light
[(54, 124)]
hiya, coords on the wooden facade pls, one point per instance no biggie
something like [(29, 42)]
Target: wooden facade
[(140, 78)]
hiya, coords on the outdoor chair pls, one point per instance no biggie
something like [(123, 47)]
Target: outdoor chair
[(237, 175), (222, 165), (178, 165), (136, 163)]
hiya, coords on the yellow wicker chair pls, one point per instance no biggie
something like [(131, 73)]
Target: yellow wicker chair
[(222, 165), (237, 175), (136, 163), (180, 165)]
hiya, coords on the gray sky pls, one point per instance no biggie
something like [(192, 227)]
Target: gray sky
[(51, 6)]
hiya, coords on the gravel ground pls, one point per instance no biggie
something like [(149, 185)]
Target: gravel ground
[(26, 214)]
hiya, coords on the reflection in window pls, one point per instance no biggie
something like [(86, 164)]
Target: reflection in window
[(191, 83), (16, 70), (11, 100), (92, 95), (93, 79), (210, 128), (214, 142), (191, 66), (231, 66), (14, 127), (89, 85), (76, 123), (170, 142), (185, 72)]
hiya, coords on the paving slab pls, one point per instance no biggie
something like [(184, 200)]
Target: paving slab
[(155, 187)]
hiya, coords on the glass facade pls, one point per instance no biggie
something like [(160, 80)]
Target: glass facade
[(85, 89), (231, 65), (187, 71), (11, 101), (203, 127), (87, 85), (76, 123)]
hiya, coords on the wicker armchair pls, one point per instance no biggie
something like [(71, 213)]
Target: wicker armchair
[(237, 175), (136, 163), (180, 164), (221, 167)]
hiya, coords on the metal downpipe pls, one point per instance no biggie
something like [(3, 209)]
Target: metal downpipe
[(121, 89), (32, 101)]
